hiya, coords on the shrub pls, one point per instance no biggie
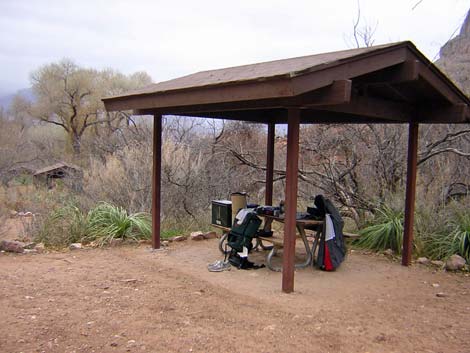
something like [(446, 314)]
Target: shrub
[(384, 232), (454, 238), (63, 226), (107, 222)]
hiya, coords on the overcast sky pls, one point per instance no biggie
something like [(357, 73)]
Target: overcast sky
[(168, 39)]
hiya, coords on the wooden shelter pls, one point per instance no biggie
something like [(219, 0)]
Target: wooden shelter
[(48, 175), (392, 83)]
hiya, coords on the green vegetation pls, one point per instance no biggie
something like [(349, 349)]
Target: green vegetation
[(102, 224), (62, 227), (437, 235), (107, 222), (385, 232), (453, 238)]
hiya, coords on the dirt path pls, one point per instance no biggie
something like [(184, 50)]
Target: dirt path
[(131, 299)]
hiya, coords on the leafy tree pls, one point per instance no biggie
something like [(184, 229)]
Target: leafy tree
[(70, 96)]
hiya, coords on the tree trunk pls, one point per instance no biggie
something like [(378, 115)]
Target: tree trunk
[(76, 143)]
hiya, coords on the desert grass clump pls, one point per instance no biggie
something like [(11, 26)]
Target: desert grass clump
[(107, 222), (384, 232), (65, 225), (452, 239)]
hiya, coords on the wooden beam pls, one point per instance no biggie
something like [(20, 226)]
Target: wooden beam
[(156, 180), (456, 113), (318, 116), (268, 199), (441, 84), (405, 72), (292, 166), (410, 194), (339, 92), (242, 91), (374, 108)]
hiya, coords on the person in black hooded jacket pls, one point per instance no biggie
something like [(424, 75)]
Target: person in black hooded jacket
[(332, 249)]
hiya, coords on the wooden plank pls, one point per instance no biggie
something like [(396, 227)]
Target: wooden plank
[(405, 72), (350, 235), (374, 108), (292, 165), (457, 113), (273, 88), (339, 92), (410, 193), (278, 242), (156, 180)]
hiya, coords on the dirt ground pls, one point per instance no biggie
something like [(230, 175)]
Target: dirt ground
[(130, 299)]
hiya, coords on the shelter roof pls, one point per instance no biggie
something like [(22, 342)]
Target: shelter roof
[(56, 166), (385, 83)]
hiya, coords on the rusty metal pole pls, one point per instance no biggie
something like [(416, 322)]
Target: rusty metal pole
[(268, 199), (156, 180), (292, 166), (410, 193)]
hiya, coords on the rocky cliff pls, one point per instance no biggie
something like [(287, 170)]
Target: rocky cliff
[(455, 57)]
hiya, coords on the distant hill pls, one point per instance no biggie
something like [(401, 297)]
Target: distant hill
[(455, 57), (6, 100)]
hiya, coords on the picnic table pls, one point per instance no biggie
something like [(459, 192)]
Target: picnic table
[(278, 242)]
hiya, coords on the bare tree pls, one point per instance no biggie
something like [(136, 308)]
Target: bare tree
[(70, 97)]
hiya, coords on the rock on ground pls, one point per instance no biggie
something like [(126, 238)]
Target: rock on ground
[(423, 260), (210, 235), (75, 246), (196, 236), (455, 263), (178, 238), (12, 246), (437, 263)]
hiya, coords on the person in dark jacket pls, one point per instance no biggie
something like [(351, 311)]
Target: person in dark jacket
[(332, 249)]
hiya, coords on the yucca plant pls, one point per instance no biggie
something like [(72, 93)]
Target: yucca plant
[(107, 222), (385, 231)]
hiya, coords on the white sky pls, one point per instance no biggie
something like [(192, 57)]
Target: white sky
[(174, 38)]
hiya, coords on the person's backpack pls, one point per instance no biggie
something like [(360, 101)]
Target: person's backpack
[(331, 247), (242, 234)]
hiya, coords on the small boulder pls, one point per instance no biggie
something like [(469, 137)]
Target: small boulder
[(210, 235), (423, 260), (437, 263), (441, 295), (196, 236), (75, 246), (12, 246), (30, 251), (13, 214), (179, 238), (455, 263), (165, 243), (388, 252), (40, 247)]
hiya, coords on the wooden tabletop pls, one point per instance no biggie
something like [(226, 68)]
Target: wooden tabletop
[(306, 222)]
